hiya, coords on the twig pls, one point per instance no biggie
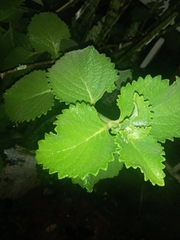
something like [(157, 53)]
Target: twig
[(22, 67), (66, 5)]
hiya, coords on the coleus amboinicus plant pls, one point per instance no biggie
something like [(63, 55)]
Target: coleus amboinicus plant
[(87, 146)]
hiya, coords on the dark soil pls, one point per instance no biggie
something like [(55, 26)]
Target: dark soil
[(122, 208)]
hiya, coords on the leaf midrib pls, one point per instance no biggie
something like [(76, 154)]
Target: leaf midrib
[(85, 140)]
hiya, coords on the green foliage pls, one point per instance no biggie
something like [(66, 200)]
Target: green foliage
[(85, 145), (46, 31), (83, 139), (9, 10)]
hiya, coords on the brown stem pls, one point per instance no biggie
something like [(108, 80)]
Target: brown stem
[(22, 67)]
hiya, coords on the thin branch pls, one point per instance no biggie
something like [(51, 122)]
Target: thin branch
[(22, 67), (71, 3)]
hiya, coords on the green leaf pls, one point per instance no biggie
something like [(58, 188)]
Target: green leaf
[(81, 146), (28, 98), (164, 100), (89, 181), (138, 149), (82, 75), (46, 31)]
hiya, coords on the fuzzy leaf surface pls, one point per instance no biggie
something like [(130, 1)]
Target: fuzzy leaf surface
[(141, 115), (81, 146), (46, 31), (164, 100), (138, 149), (29, 98), (82, 75), (166, 120)]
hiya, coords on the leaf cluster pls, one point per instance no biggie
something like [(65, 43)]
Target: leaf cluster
[(85, 145)]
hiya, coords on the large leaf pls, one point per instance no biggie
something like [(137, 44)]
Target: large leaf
[(82, 75), (164, 100), (28, 98), (81, 146), (138, 149), (46, 31)]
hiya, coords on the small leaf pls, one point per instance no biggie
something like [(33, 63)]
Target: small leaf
[(138, 149), (82, 75), (81, 146), (28, 98), (46, 31)]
